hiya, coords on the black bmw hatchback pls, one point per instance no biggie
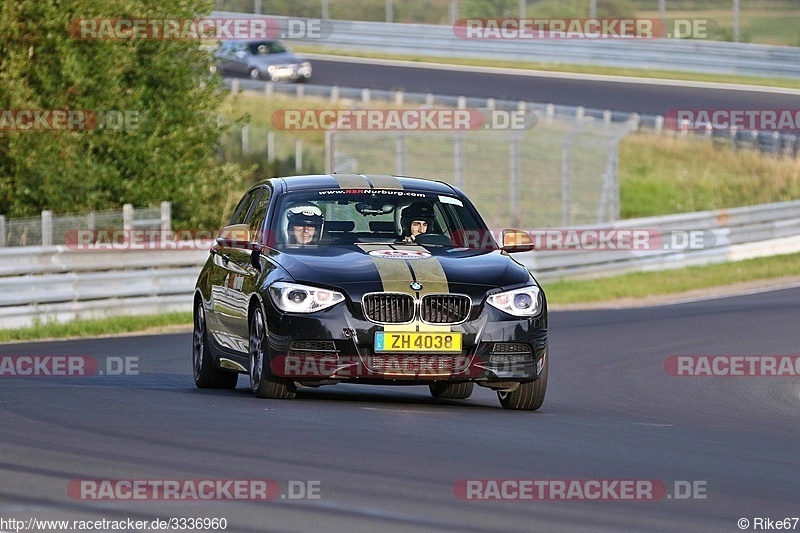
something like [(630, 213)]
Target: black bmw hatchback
[(324, 279)]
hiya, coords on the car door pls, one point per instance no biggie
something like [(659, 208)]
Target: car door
[(239, 59), (226, 279), (245, 275), (225, 57)]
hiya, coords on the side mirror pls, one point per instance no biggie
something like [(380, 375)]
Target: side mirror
[(515, 240), (237, 236)]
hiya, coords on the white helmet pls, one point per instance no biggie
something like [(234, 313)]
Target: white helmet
[(303, 214)]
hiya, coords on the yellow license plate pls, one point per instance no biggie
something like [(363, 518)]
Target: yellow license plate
[(398, 341)]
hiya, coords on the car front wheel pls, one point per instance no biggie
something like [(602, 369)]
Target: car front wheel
[(263, 385), (451, 391), (528, 396), (206, 374), (255, 74)]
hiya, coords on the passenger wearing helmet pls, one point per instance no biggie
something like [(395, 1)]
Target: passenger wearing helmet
[(304, 224), (416, 219)]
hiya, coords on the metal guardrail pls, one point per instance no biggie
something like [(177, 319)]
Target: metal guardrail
[(59, 283), (729, 234), (425, 40), (55, 283)]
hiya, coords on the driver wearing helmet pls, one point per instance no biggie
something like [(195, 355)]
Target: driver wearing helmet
[(416, 219), (304, 224)]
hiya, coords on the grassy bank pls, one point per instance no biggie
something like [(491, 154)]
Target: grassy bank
[(664, 174), (96, 327)]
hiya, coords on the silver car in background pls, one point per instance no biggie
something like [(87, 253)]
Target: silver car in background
[(261, 60)]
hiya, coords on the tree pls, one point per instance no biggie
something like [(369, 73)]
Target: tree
[(164, 85)]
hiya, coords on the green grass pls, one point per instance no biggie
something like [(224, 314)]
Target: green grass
[(644, 284), (776, 26), (667, 174), (560, 67), (95, 327)]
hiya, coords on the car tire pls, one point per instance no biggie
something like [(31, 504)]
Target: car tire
[(254, 74), (528, 396), (206, 373), (451, 391), (262, 384)]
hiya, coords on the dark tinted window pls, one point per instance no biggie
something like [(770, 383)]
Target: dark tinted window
[(259, 214), (265, 48), (242, 213)]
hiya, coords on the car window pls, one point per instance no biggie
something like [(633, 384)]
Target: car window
[(373, 216), (277, 48), (241, 215), (260, 49), (258, 216)]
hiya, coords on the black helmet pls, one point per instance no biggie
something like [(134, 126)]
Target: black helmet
[(416, 211)]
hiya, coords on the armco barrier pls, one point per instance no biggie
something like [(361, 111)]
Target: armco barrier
[(738, 233), (56, 283), (425, 40)]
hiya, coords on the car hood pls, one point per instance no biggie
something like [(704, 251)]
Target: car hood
[(373, 268)]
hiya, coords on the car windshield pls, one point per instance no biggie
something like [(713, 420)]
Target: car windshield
[(346, 217)]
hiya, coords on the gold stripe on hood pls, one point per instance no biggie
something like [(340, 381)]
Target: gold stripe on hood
[(428, 272), (394, 273)]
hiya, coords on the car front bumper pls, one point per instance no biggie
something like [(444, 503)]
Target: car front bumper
[(334, 345)]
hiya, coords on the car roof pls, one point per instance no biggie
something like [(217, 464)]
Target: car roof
[(361, 181)]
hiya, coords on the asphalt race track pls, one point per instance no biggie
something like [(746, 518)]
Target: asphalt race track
[(640, 97), (387, 458)]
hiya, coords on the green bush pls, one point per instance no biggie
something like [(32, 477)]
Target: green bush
[(169, 155)]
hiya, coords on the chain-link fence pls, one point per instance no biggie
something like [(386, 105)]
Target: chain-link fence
[(48, 229), (561, 172)]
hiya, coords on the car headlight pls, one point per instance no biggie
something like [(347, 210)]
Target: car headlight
[(526, 301), (294, 298)]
